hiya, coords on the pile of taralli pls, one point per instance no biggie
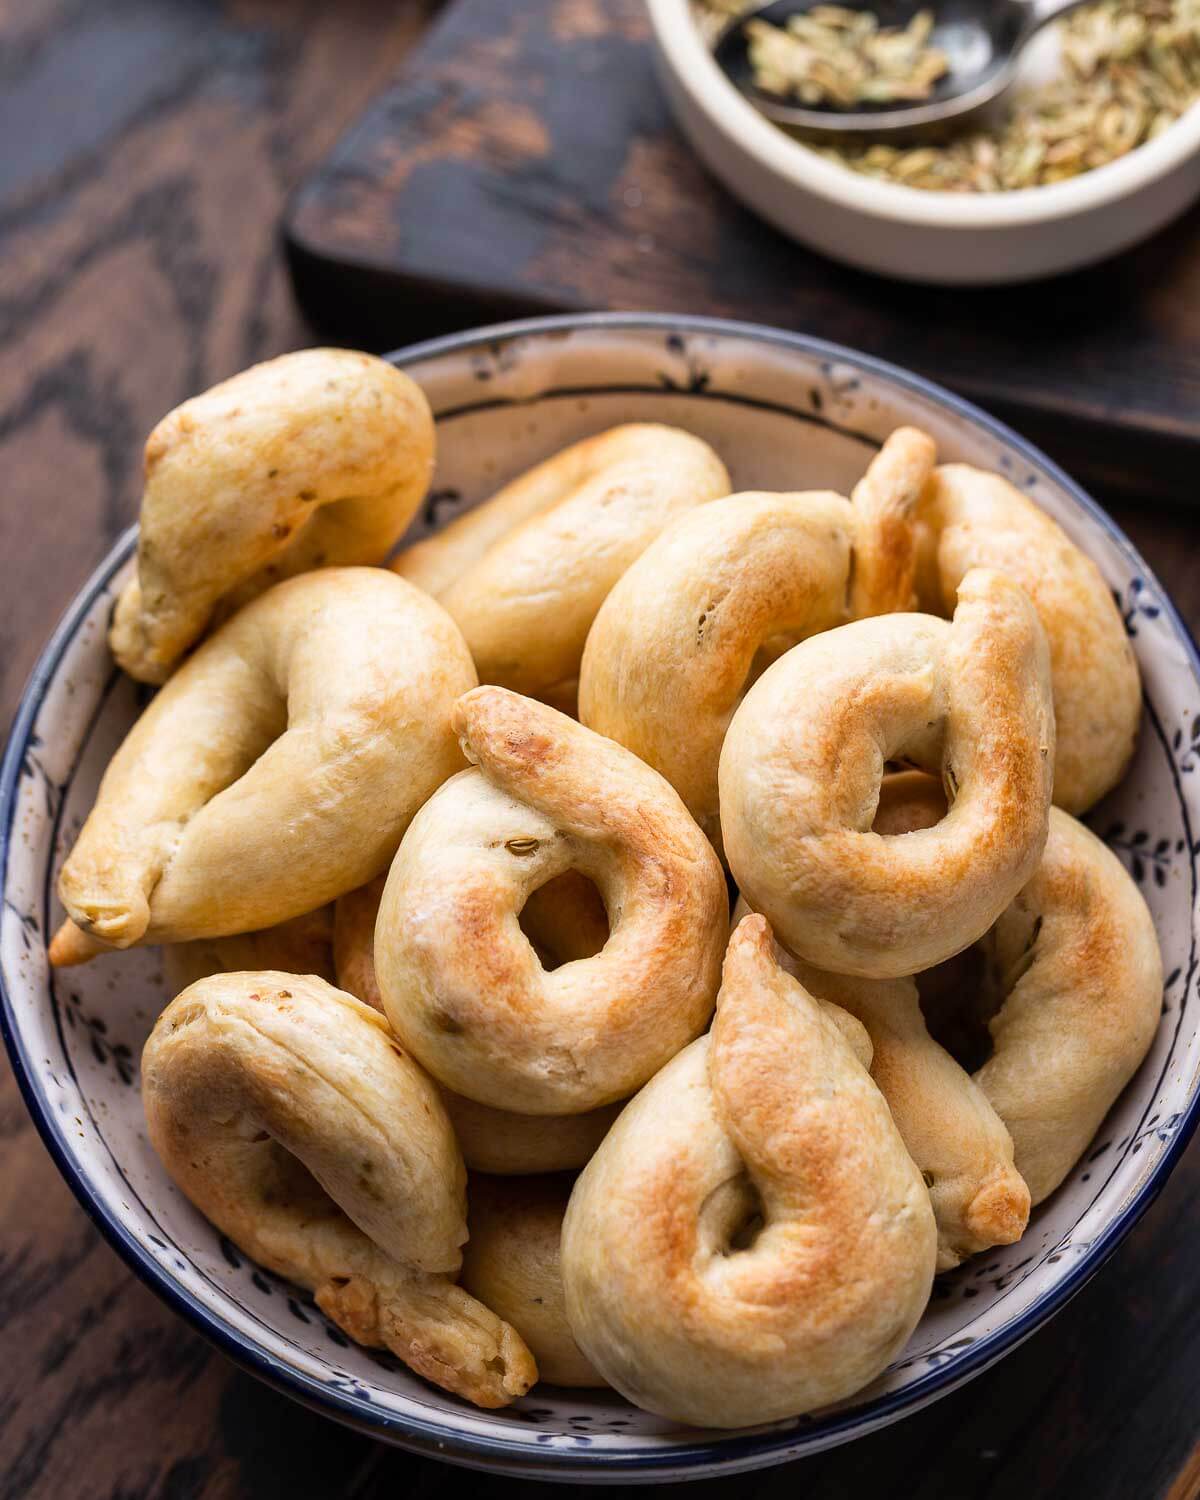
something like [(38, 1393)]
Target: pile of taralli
[(462, 1040)]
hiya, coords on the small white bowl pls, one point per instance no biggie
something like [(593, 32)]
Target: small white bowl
[(945, 238), (782, 411)]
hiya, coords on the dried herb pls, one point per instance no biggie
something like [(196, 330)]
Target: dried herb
[(1130, 68), (831, 55)]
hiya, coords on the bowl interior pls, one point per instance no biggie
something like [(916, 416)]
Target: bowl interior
[(784, 414)]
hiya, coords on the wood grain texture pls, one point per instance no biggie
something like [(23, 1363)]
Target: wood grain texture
[(525, 161), (149, 146)]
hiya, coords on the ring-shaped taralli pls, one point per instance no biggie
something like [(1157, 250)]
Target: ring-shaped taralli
[(1072, 994), (461, 984), (752, 1240), (277, 768), (313, 459), (950, 1130), (1080, 988), (565, 926), (676, 641), (968, 519), (669, 655), (885, 507), (288, 1115), (804, 758), (514, 572), (512, 1264)]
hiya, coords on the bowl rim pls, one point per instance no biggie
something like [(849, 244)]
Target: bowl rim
[(683, 51), (729, 1454)]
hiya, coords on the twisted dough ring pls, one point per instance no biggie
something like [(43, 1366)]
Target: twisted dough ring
[(671, 1292), (287, 1114), (513, 572), (311, 459), (1073, 993), (968, 519), (960, 1144), (499, 1141), (461, 984), (802, 763), (675, 641), (512, 1264), (278, 767)]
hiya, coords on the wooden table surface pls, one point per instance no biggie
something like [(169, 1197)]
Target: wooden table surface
[(147, 150)]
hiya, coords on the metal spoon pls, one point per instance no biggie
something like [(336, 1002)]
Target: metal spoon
[(982, 39)]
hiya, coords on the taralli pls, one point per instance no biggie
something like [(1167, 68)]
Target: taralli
[(511, 1263), (288, 1115), (354, 918), (752, 1240), (420, 925), (277, 768), (567, 926), (461, 984), (677, 640), (885, 506), (1080, 995), (972, 519), (565, 920), (509, 1144), (802, 764), (302, 946), (948, 1127), (309, 460), (1071, 992), (525, 573), (961, 1145)]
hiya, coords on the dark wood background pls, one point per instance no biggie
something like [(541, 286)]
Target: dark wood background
[(146, 151)]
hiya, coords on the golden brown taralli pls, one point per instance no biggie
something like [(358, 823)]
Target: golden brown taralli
[(1081, 981), (314, 459), (1077, 973), (568, 923), (524, 573), (276, 769), (673, 645), (752, 1240), (972, 519), (805, 755), (354, 916), (956, 1138), (461, 984), (738, 580), (1072, 1006), (286, 1112), (885, 503), (512, 1264)]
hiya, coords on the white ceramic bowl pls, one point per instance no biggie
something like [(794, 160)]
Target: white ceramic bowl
[(784, 412), (945, 238)]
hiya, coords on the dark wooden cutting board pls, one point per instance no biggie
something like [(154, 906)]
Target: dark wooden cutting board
[(525, 162)]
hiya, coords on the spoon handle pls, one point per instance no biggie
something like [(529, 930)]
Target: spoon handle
[(1042, 12)]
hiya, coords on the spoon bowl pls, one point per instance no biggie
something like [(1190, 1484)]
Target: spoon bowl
[(982, 40)]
